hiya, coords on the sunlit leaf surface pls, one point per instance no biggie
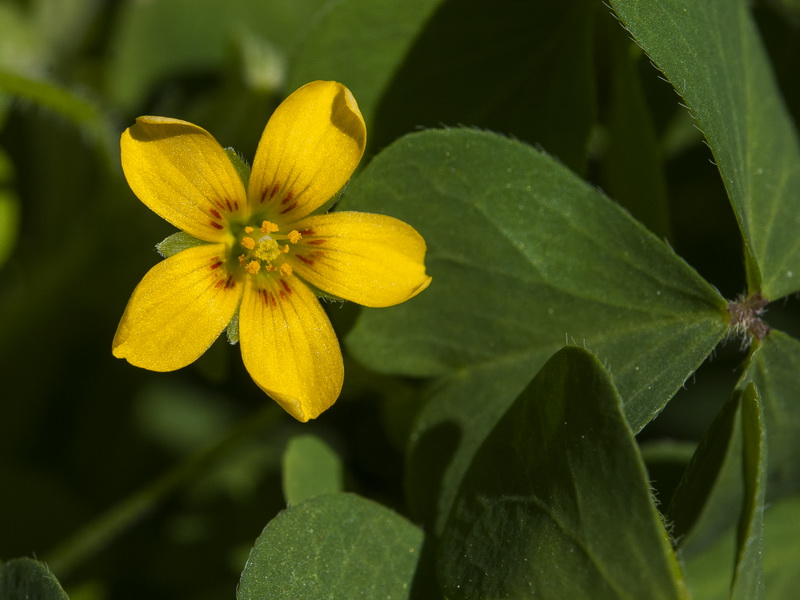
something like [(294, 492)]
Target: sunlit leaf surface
[(556, 502), (712, 54), (333, 546), (524, 256)]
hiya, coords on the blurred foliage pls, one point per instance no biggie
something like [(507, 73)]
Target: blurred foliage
[(568, 197)]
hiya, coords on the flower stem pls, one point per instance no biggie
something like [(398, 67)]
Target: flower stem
[(99, 533)]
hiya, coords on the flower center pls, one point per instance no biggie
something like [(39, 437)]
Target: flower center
[(265, 249)]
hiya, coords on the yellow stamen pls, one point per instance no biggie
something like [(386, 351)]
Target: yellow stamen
[(248, 229), (253, 267), (268, 227), (285, 248), (248, 243), (241, 260), (285, 269), (295, 236)]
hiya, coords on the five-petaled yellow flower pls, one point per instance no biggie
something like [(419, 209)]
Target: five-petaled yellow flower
[(259, 247)]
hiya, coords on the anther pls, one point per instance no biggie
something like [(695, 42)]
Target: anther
[(267, 227), (248, 242), (295, 236), (285, 269), (253, 267)]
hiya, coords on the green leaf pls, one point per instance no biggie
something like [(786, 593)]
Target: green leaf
[(632, 168), (27, 578), (709, 573), (81, 112), (712, 569), (39, 34), (717, 512), (782, 534), (715, 471), (333, 546), (774, 367), (23, 49), (520, 68), (556, 503), (155, 39), (461, 411), (666, 461), (361, 43), (524, 256), (523, 253), (63, 24), (748, 583), (310, 468), (711, 53)]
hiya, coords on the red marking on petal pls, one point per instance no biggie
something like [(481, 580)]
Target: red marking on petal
[(308, 261), (287, 198), (316, 242), (308, 231), (292, 206), (286, 286), (230, 283), (215, 213), (228, 203), (219, 204), (215, 225), (236, 205), (269, 298), (270, 192), (216, 265)]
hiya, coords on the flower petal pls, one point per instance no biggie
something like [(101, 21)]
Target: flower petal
[(370, 259), (289, 347), (311, 145), (182, 174), (178, 310)]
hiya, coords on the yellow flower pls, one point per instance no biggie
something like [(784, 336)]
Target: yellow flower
[(259, 247)]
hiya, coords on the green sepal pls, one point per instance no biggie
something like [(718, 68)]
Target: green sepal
[(322, 295), (177, 242), (233, 329), (330, 203), (241, 166)]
